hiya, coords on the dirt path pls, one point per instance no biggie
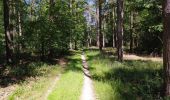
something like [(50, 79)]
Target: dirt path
[(87, 91), (135, 57), (5, 92), (51, 87)]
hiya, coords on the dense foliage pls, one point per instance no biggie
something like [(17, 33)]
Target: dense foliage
[(147, 25), (45, 29)]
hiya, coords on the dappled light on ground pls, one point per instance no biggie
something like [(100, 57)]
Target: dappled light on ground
[(135, 57), (132, 79)]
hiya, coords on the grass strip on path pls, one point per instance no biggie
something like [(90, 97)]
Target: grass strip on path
[(70, 84)]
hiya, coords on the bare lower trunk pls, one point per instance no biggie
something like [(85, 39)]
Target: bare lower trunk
[(131, 33), (71, 45), (100, 26), (103, 33), (97, 27), (114, 27), (19, 31), (120, 29), (8, 32), (166, 54), (75, 45)]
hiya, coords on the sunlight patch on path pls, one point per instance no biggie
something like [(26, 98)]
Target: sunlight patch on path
[(135, 57), (87, 91)]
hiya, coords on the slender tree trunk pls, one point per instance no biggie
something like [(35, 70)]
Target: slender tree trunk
[(97, 25), (32, 10), (89, 37), (114, 28), (71, 30), (75, 45), (120, 29), (166, 52), (103, 33), (51, 18), (100, 25), (131, 32), (52, 4), (8, 32), (19, 25)]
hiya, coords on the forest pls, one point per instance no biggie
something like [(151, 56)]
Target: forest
[(85, 50)]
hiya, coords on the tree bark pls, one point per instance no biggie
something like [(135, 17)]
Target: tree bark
[(8, 32), (120, 29), (19, 22), (99, 25), (32, 10), (103, 33), (166, 47), (52, 4), (131, 32), (113, 18)]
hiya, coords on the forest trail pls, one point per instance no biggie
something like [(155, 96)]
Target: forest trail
[(5, 92), (87, 91), (135, 57), (52, 86)]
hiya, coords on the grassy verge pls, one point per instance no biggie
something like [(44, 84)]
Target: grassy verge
[(71, 82), (34, 87), (130, 80)]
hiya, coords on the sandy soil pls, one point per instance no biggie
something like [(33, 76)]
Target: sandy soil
[(87, 90), (135, 57)]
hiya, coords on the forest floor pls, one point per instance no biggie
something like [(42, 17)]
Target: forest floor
[(101, 78), (136, 78), (33, 81)]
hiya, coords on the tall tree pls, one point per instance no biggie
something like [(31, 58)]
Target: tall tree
[(113, 21), (131, 31), (166, 40), (8, 31), (120, 13), (99, 25)]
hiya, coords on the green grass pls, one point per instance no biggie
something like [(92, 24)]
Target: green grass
[(33, 79), (130, 80), (34, 87), (70, 84)]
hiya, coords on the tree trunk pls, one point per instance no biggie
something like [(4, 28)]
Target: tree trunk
[(166, 47), (103, 33), (131, 32), (52, 4), (19, 22), (97, 25), (120, 29), (75, 45), (113, 15), (89, 37), (8, 32), (100, 25), (71, 30), (32, 10)]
